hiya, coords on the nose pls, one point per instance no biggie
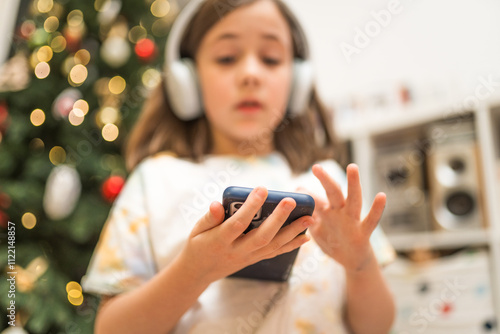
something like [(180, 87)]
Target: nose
[(250, 71)]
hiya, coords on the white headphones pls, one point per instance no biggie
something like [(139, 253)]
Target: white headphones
[(182, 86)]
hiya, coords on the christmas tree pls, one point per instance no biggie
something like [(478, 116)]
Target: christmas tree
[(76, 78)]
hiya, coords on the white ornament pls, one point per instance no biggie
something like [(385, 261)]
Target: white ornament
[(14, 330), (61, 192), (115, 51)]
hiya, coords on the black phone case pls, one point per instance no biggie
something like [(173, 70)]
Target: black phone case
[(279, 267)]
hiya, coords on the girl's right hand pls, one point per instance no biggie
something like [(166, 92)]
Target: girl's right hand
[(215, 250)]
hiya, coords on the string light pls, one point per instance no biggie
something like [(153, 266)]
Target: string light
[(82, 57), (51, 24), (45, 6), (82, 105), (36, 144), (74, 290), (77, 75), (28, 220), (108, 115), (44, 54), (151, 77), (76, 117), (75, 18), (160, 27), (117, 85), (57, 155), (28, 27), (42, 70), (137, 33), (160, 8), (110, 132), (58, 44), (37, 117)]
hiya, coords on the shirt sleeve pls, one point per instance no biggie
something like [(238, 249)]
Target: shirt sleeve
[(384, 252), (123, 258)]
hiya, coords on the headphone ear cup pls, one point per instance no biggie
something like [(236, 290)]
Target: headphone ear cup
[(182, 89), (301, 89)]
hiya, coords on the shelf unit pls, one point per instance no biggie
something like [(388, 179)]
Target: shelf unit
[(362, 132)]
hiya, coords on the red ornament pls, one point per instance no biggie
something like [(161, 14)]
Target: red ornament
[(5, 201), (4, 114), (146, 50), (4, 219), (112, 187)]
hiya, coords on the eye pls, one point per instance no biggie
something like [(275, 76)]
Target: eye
[(225, 60), (271, 61)]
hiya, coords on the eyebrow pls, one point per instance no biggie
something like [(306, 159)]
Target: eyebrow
[(232, 36)]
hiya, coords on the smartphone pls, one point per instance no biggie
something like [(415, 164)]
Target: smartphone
[(279, 267)]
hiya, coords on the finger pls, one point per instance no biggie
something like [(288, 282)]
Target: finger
[(214, 217), (376, 211), (265, 233), (354, 201), (288, 247), (287, 234), (238, 223), (332, 188)]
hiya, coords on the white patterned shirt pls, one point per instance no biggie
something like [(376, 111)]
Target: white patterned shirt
[(154, 214)]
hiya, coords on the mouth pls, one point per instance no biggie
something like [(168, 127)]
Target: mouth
[(249, 106)]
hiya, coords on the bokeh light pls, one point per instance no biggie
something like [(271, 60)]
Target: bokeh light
[(108, 115), (42, 70), (76, 117), (160, 8), (57, 155), (36, 144), (37, 117), (28, 220), (82, 105), (44, 54), (78, 75), (117, 85), (110, 132), (82, 57), (44, 6), (137, 33), (75, 18), (74, 291), (51, 24), (58, 44), (151, 77)]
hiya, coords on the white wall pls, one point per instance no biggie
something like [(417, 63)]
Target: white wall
[(430, 45)]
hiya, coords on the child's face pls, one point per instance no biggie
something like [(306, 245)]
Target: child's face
[(245, 69)]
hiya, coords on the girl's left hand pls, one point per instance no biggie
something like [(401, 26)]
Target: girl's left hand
[(338, 228)]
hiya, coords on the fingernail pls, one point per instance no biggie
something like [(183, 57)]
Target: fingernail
[(261, 192), (307, 222), (289, 205)]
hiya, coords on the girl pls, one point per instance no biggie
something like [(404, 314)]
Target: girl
[(163, 259)]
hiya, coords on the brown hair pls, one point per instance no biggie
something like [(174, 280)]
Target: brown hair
[(302, 139)]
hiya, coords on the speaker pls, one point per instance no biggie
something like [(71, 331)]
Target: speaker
[(400, 174), (454, 177)]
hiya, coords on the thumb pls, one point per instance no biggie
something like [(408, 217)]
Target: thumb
[(214, 217)]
